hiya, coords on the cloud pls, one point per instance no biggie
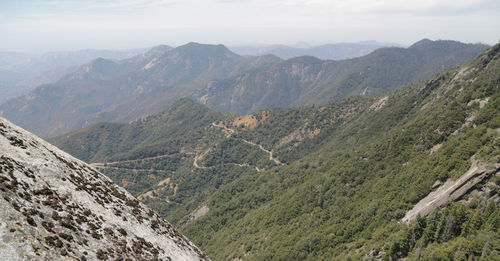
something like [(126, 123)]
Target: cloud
[(444, 8), (106, 24), (132, 4), (96, 4)]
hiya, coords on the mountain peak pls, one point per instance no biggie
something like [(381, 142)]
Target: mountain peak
[(99, 61), (184, 101), (422, 42), (185, 105), (493, 53), (160, 49), (198, 48), (450, 44), (304, 59), (98, 68), (55, 206)]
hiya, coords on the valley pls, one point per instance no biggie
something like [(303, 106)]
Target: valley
[(341, 174), (383, 176), (305, 130)]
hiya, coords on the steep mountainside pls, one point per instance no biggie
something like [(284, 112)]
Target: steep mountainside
[(123, 91), (343, 180), (307, 80), (171, 160), (184, 121), (55, 207), (350, 197)]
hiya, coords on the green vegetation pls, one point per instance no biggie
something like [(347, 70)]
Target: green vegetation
[(352, 170), (458, 232), (179, 127), (346, 198), (236, 151), (154, 158)]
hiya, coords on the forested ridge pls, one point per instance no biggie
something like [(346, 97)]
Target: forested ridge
[(351, 170), (146, 84)]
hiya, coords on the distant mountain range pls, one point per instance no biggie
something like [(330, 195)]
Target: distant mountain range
[(21, 72), (125, 90), (337, 51), (308, 80)]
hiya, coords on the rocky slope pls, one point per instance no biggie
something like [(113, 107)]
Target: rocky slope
[(451, 190), (55, 207)]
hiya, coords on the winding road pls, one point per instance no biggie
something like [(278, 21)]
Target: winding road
[(231, 131), (106, 165)]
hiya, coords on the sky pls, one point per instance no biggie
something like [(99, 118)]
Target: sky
[(60, 25)]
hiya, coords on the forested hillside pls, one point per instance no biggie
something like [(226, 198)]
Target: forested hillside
[(308, 80), (174, 159), (347, 199), (323, 182)]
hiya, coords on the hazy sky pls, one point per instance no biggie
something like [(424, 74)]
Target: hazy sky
[(49, 25)]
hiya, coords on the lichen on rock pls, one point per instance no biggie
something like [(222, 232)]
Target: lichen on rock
[(54, 206)]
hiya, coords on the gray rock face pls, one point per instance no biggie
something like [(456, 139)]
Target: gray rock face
[(451, 190), (55, 207)]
